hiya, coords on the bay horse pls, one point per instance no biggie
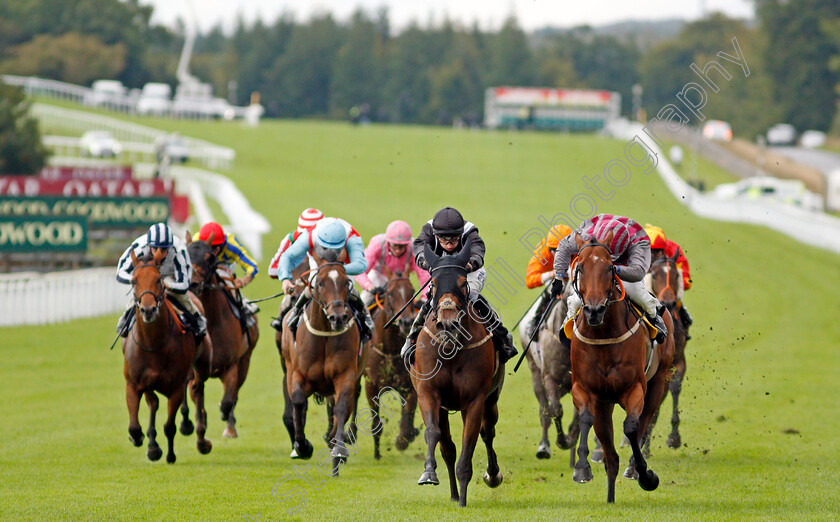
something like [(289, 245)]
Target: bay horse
[(457, 369), (609, 349), (233, 343), (385, 370), (550, 364), (325, 357), (665, 280), (159, 355)]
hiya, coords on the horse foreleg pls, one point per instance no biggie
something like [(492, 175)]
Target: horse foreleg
[(132, 400), (604, 431), (675, 387), (448, 451), (169, 428), (153, 452), (288, 417), (187, 427), (544, 449), (472, 417), (344, 404), (407, 430), (230, 379), (197, 395), (583, 471), (431, 411), (302, 448), (640, 411), (493, 476), (371, 392)]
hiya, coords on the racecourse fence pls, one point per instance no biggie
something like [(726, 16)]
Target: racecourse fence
[(29, 298), (136, 136), (812, 228)]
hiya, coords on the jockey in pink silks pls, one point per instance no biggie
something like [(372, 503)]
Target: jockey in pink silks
[(389, 250)]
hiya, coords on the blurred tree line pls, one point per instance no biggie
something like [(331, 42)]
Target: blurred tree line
[(437, 72)]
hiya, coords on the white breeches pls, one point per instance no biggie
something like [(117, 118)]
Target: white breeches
[(377, 279), (475, 283), (636, 292)]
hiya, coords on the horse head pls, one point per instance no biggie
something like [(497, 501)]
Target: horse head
[(149, 291), (398, 293), (449, 287), (204, 262), (330, 288), (665, 281), (594, 277)]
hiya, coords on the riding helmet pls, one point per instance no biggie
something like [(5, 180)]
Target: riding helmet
[(448, 222), (215, 230), (398, 233), (160, 236), (331, 233)]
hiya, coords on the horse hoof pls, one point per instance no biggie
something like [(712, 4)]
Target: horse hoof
[(631, 473), (582, 475), (401, 443), (649, 481), (564, 443), (304, 451), (204, 446), (170, 459), (154, 453), (377, 455), (674, 441), (230, 433), (543, 452), (413, 434), (136, 437), (327, 439), (187, 428), (339, 451), (294, 454), (428, 477), (597, 456), (493, 482)]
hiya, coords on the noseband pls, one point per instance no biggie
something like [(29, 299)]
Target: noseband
[(316, 295), (158, 298)]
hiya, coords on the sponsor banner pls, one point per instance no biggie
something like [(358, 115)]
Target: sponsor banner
[(539, 96), (31, 186), (91, 172), (99, 212), (33, 234)]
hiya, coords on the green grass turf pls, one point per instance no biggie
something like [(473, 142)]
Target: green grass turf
[(759, 404)]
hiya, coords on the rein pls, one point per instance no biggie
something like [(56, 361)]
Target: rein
[(158, 301), (667, 278)]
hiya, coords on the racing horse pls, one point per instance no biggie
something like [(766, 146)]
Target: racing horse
[(665, 280), (551, 378), (326, 358), (609, 349), (457, 368), (159, 355), (233, 341), (385, 372)]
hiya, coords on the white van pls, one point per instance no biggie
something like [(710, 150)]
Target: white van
[(106, 92), (155, 99)]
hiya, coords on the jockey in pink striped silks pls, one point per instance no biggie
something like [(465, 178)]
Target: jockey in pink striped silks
[(389, 250), (630, 250)]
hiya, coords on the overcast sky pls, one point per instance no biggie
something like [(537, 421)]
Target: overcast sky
[(532, 14)]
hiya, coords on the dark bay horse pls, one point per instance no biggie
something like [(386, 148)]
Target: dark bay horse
[(385, 371), (232, 345), (159, 355), (457, 369), (665, 280), (325, 358), (609, 349), (551, 378)]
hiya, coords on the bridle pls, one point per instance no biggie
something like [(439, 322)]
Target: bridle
[(316, 295), (617, 284), (448, 303), (206, 282), (158, 297), (667, 262)]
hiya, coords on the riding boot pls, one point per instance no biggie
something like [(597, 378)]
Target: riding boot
[(277, 322), (502, 339), (295, 312), (657, 321), (363, 315), (416, 326), (124, 324), (685, 317), (199, 325)]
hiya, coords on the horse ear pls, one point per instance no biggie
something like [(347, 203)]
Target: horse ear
[(579, 240), (159, 256), (387, 271), (608, 240), (209, 240), (188, 237), (429, 254), (134, 260), (463, 256), (676, 255)]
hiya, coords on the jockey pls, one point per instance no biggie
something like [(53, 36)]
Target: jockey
[(446, 234), (630, 249), (228, 251), (662, 246), (540, 272), (330, 238), (388, 250), (307, 221), (175, 272)]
